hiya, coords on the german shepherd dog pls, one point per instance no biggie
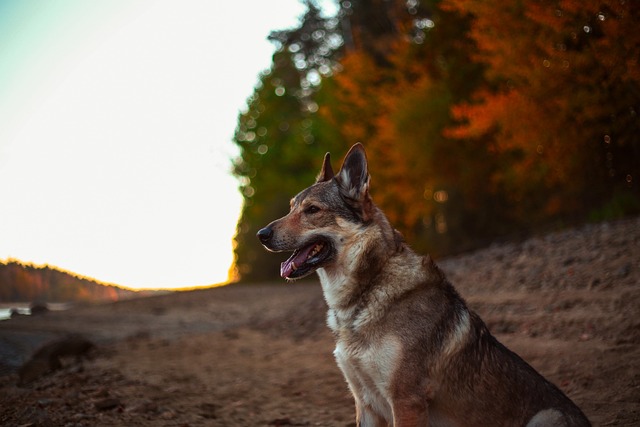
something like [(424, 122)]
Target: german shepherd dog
[(412, 352)]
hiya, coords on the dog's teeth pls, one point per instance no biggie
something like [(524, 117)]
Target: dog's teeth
[(293, 266), (316, 249)]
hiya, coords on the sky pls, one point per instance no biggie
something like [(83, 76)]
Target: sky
[(116, 120)]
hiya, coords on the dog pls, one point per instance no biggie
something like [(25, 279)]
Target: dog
[(411, 351)]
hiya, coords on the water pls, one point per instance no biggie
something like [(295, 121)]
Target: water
[(25, 308), (5, 309)]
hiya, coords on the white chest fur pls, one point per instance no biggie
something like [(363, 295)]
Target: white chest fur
[(369, 370), (367, 364)]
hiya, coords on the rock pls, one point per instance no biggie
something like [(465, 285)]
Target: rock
[(144, 407), (280, 422), (208, 410), (38, 309), (81, 416), (35, 368), (623, 271), (47, 358), (47, 401), (107, 404), (14, 312), (168, 415), (100, 392)]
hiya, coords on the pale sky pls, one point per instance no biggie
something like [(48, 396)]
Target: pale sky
[(116, 119)]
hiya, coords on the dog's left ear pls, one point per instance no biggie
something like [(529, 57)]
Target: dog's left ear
[(326, 173), (354, 174)]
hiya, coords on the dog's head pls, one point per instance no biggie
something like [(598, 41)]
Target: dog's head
[(315, 226)]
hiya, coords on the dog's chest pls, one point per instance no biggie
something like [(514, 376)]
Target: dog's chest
[(369, 368)]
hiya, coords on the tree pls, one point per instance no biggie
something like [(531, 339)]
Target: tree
[(479, 121), (280, 136), (560, 100), (408, 63)]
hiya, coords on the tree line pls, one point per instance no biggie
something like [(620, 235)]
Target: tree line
[(480, 120), (23, 282)]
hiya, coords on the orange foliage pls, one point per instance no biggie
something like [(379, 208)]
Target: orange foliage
[(557, 72)]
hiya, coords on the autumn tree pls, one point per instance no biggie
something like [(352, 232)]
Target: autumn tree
[(561, 99), (407, 64)]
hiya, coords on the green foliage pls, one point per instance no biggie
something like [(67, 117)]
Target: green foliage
[(623, 203), (281, 137)]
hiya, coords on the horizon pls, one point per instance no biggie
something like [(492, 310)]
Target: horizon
[(27, 264)]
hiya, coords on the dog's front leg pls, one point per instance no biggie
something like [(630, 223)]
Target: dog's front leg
[(410, 414), (367, 417)]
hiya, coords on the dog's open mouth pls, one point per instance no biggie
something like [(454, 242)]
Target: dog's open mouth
[(305, 260)]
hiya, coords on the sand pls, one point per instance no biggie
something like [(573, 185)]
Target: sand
[(261, 355)]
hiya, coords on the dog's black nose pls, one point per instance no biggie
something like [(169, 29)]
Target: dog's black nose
[(265, 234)]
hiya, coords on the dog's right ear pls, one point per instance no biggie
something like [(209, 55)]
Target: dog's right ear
[(326, 173)]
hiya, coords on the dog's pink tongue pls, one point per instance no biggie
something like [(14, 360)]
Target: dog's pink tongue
[(286, 268)]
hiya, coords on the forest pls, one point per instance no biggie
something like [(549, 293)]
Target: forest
[(482, 121), (23, 282)]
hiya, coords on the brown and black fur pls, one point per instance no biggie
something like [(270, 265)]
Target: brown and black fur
[(412, 352)]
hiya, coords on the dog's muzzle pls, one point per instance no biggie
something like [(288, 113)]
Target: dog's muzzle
[(307, 256)]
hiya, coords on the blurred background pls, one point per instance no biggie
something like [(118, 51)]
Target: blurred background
[(481, 123)]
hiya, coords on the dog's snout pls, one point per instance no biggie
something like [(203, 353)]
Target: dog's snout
[(265, 234)]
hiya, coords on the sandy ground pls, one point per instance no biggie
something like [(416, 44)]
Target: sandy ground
[(260, 354)]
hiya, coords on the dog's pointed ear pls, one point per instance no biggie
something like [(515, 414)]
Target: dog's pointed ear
[(326, 173), (353, 176)]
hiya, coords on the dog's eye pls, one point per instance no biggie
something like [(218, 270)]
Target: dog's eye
[(311, 209)]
